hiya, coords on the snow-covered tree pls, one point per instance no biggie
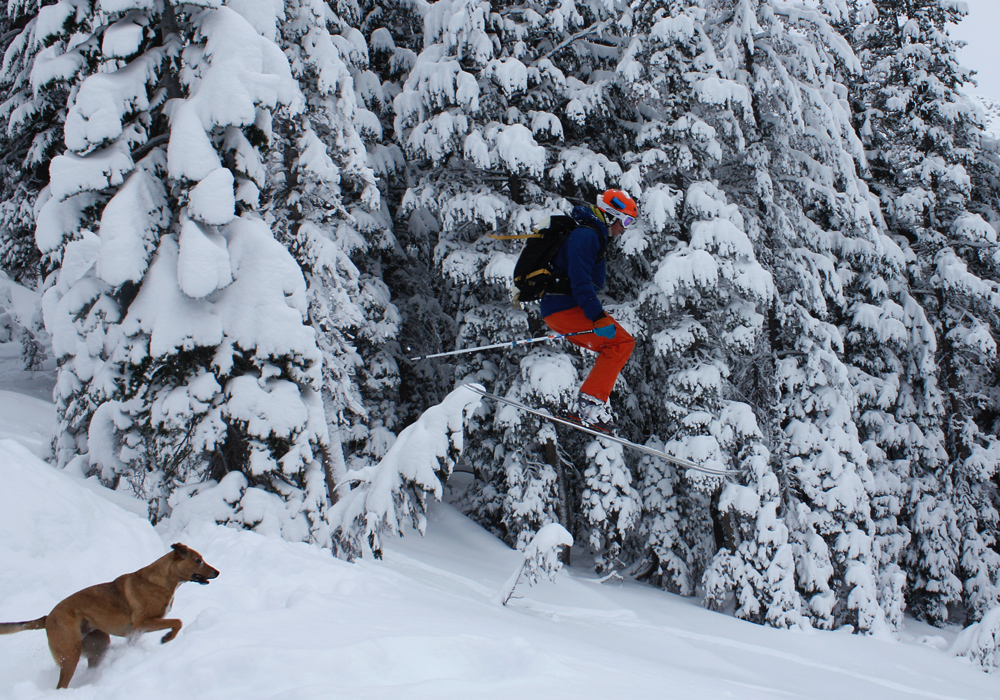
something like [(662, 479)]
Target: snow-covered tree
[(611, 505), (21, 323), (500, 112), (703, 307), (30, 124), (327, 211), (759, 568), (935, 181), (980, 642), (178, 320), (541, 558), (756, 562), (528, 489), (754, 93)]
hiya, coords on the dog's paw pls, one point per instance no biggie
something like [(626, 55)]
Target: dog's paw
[(168, 636)]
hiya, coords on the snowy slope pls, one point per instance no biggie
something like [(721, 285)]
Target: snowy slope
[(288, 621)]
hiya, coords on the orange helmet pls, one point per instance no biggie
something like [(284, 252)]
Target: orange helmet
[(619, 205)]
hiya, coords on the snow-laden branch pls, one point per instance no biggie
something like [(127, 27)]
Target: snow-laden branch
[(980, 642), (594, 29), (396, 489)]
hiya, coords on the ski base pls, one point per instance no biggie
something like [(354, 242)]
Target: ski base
[(679, 461)]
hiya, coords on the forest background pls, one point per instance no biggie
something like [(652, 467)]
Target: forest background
[(235, 223)]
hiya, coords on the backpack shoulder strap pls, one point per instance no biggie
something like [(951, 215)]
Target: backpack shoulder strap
[(514, 236), (602, 239)]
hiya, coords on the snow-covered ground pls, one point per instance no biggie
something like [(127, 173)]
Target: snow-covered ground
[(289, 621)]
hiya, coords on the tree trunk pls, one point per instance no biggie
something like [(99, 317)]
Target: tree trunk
[(334, 467), (562, 507)]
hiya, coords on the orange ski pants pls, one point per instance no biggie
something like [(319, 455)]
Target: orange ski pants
[(612, 353)]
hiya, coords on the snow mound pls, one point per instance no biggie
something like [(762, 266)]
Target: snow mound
[(59, 537), (30, 421)]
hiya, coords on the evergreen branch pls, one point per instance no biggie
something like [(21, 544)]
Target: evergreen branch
[(594, 29), (9, 36), (143, 150), (970, 244)]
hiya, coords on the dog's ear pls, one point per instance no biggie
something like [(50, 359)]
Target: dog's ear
[(181, 549)]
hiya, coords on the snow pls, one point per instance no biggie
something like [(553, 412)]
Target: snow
[(17, 302), (31, 421), (509, 73), (190, 153), (585, 166), (548, 376), (979, 641), (173, 319), (104, 99), (546, 123), (52, 18), (381, 497), (50, 65), (116, 6), (203, 264), (288, 620), (261, 271), (263, 15), (246, 70), (695, 269), (518, 150), (213, 200), (122, 39), (128, 223), (740, 498), (659, 206), (72, 174)]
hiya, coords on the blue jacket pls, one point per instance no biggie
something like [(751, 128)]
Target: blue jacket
[(580, 259)]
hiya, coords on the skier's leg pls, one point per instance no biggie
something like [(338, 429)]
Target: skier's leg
[(573, 321), (613, 353)]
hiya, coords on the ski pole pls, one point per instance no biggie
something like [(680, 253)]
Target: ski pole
[(508, 344)]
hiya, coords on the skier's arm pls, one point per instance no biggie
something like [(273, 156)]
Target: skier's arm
[(584, 249)]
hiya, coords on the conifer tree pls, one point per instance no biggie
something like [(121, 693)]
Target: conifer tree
[(611, 505), (787, 156), (35, 77), (495, 132), (328, 212), (698, 287), (178, 320), (933, 179)]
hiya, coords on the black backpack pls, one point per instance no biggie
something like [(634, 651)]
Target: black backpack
[(534, 275)]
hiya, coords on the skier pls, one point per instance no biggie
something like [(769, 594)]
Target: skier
[(574, 305)]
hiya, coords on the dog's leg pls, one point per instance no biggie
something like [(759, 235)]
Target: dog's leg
[(66, 652), (65, 643), (161, 624), (95, 643)]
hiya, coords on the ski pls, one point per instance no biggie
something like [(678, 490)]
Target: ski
[(679, 461)]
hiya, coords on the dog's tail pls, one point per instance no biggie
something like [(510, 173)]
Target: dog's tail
[(12, 627)]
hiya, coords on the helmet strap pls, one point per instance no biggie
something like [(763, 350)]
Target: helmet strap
[(603, 215)]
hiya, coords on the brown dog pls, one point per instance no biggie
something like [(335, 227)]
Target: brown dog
[(130, 605)]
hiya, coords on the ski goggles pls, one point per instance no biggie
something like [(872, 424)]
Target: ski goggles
[(625, 219)]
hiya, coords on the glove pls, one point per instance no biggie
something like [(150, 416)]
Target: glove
[(604, 326)]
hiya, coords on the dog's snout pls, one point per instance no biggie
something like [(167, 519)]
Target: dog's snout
[(204, 574)]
